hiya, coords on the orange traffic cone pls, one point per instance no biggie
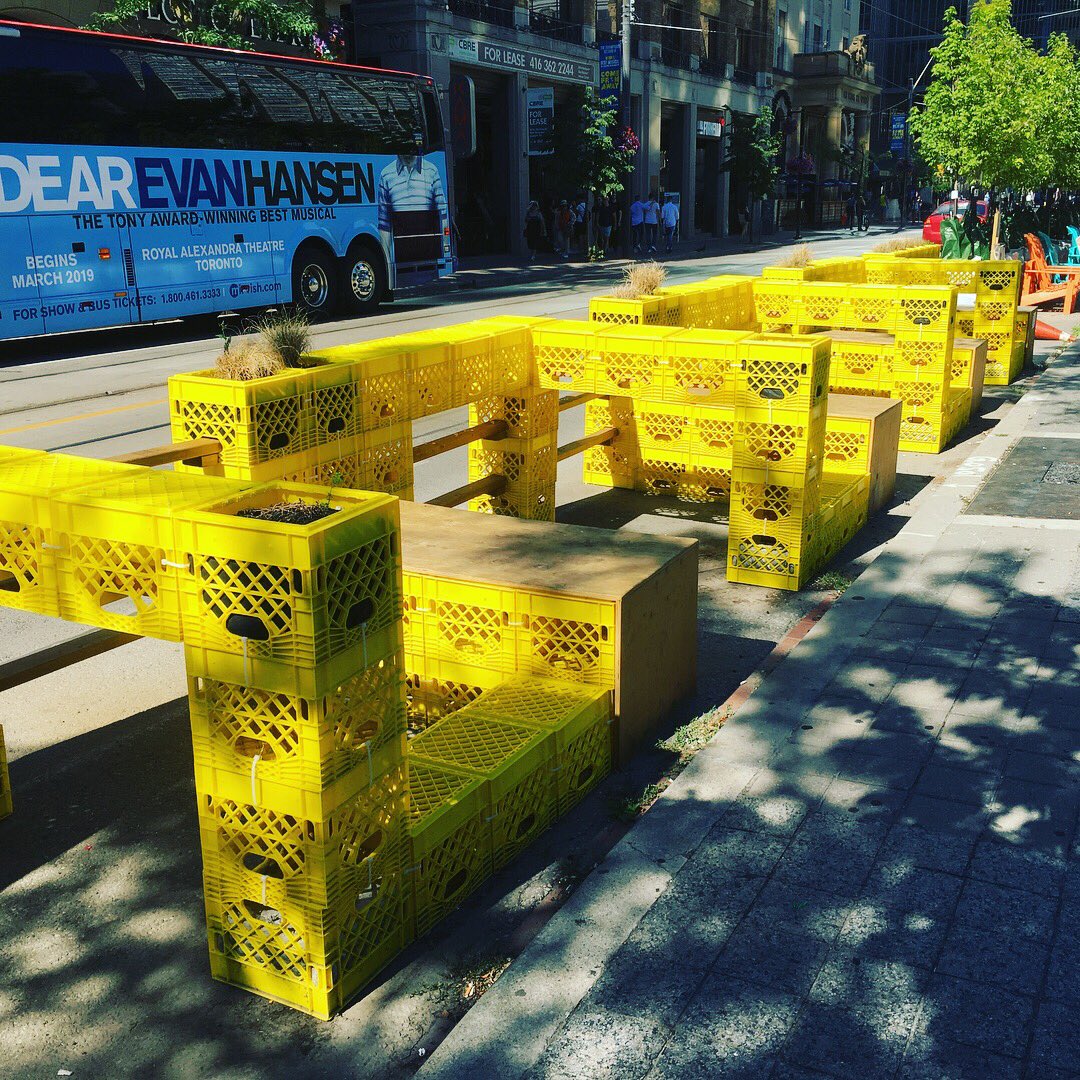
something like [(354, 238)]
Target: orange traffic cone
[(1046, 332)]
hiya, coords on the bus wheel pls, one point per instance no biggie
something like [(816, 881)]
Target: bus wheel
[(365, 280), (314, 281)]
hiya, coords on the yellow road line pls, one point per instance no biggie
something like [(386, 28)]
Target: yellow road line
[(83, 416)]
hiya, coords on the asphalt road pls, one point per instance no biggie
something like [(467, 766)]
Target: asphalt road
[(102, 948)]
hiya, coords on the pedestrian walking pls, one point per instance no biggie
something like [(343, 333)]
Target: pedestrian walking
[(850, 210), (605, 222), (580, 224), (670, 215), (652, 222), (637, 224), (860, 212), (534, 229)]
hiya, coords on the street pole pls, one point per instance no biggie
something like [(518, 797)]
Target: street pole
[(628, 197), (798, 180), (909, 171)]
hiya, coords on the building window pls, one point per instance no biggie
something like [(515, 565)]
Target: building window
[(782, 63)]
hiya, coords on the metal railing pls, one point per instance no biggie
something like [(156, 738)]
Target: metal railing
[(551, 26), (493, 12)]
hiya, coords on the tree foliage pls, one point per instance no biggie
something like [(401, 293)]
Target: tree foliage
[(592, 152), (755, 153), (998, 113), (228, 23)]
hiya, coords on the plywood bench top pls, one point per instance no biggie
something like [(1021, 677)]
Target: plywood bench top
[(860, 407), (571, 559)]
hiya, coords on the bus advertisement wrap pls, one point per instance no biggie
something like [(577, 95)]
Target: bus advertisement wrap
[(144, 180), (93, 239)]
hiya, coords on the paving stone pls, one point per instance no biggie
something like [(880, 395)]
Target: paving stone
[(842, 1044), (1057, 1037), (940, 657), (595, 1044), (896, 632), (927, 1058), (774, 815), (1062, 983), (898, 882), (943, 815), (1002, 959), (1017, 867), (732, 1029), (959, 785), (772, 956), (965, 638), (1009, 911), (954, 751), (700, 912), (730, 856), (1041, 768), (863, 682), (884, 649), (892, 771), (871, 988), (817, 913), (1041, 815), (901, 611), (832, 866), (1061, 716), (904, 718), (930, 849), (976, 1014), (908, 937)]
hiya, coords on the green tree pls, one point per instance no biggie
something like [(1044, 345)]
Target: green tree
[(754, 152), (592, 153), (976, 119), (221, 22)]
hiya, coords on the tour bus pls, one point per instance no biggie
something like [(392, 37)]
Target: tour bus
[(143, 180)]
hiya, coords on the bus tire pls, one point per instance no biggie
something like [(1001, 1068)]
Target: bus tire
[(364, 285), (314, 280)]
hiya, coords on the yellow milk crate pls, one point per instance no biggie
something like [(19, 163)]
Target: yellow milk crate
[(29, 532), (643, 311), (298, 756), (314, 960), (847, 445), (776, 304), (779, 373), (779, 450), (921, 358), (926, 310), (296, 608), (871, 307), (822, 304), (705, 484), (429, 697), (699, 367), (256, 421), (565, 637), (630, 360), (290, 860), (119, 558), (579, 719), (662, 427), (561, 351), (449, 840), (461, 623), (713, 436)]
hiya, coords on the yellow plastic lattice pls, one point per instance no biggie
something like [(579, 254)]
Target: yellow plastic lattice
[(920, 356), (771, 556), (663, 427), (660, 477), (871, 311), (995, 310), (925, 312), (770, 503), (21, 571), (715, 436), (429, 699), (469, 742), (706, 485), (845, 449), (561, 366), (544, 702), (205, 420), (290, 859), (817, 308), (567, 648), (335, 412)]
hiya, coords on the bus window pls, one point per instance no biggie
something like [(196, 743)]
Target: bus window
[(81, 93), (433, 118)]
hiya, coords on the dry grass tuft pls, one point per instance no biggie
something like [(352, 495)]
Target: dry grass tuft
[(249, 359), (800, 257), (898, 243), (640, 279), (287, 333)]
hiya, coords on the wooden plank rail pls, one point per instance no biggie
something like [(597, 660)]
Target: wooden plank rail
[(44, 661), (491, 429), (486, 485), (190, 452), (579, 446), (573, 400)]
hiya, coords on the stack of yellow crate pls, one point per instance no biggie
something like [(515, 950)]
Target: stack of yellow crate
[(780, 408), (486, 780), (527, 457), (292, 628)]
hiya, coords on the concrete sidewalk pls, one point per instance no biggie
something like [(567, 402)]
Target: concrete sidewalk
[(873, 869)]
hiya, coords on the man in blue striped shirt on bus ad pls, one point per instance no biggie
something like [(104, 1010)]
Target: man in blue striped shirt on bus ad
[(412, 209)]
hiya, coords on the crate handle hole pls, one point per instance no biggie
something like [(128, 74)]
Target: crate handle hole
[(247, 626), (456, 883), (360, 613), (772, 393), (279, 440), (764, 541), (525, 826), (370, 845), (584, 776), (264, 914), (336, 424), (9, 582)]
